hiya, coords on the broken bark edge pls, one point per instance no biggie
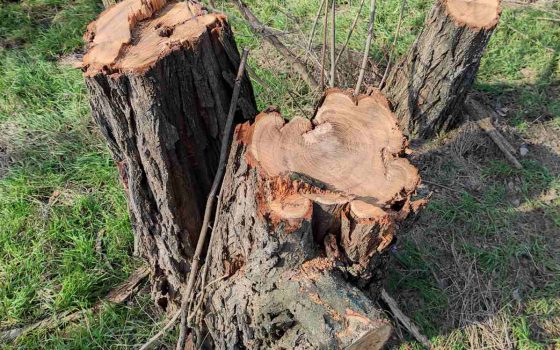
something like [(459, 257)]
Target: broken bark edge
[(490, 24)]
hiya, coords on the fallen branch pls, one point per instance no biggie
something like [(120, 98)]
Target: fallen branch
[(210, 201), (404, 320), (272, 39), (116, 296), (366, 50), (483, 117)]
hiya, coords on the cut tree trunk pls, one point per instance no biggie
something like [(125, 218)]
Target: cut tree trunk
[(307, 214), (160, 76), (429, 86)]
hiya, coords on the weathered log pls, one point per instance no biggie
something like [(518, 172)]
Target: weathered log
[(429, 86), (307, 213), (160, 76)]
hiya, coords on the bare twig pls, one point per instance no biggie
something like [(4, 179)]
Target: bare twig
[(210, 201), (548, 19), (314, 27), (333, 42), (451, 189), (324, 47), (394, 44), (117, 295), (404, 320), (108, 3), (484, 120), (352, 27), (265, 33), (159, 334), (366, 50), (207, 258)]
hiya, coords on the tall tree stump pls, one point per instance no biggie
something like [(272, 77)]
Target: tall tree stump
[(307, 213), (428, 87), (160, 76)]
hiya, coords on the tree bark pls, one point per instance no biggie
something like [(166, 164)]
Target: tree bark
[(428, 87), (295, 262), (160, 100)]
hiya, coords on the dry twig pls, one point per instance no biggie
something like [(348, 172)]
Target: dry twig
[(352, 27), (404, 320), (159, 334), (366, 50), (324, 47), (394, 44), (210, 201), (451, 189), (271, 38), (333, 43), (117, 295), (314, 27)]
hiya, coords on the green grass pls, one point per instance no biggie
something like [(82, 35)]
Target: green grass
[(59, 194)]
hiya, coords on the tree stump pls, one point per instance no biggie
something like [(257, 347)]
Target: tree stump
[(428, 87), (160, 76), (307, 213)]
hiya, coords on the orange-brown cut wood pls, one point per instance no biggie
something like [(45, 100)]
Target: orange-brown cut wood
[(132, 35), (160, 76), (352, 146)]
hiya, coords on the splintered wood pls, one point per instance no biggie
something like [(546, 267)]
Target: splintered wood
[(344, 168), (309, 210)]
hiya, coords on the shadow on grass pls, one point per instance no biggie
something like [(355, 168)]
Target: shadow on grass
[(480, 267)]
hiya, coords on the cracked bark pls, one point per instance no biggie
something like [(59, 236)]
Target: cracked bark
[(429, 86), (163, 123), (293, 264)]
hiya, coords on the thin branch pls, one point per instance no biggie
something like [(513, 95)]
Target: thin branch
[(117, 295), (159, 334), (548, 19), (451, 189), (272, 39), (210, 201), (404, 320), (204, 273), (333, 43), (352, 27), (394, 44), (314, 27), (324, 47), (366, 50)]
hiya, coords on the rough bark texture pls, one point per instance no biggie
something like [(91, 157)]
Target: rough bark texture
[(163, 124), (294, 265), (428, 87), (280, 290)]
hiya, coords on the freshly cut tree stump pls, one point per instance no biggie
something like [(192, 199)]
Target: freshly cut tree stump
[(160, 76), (429, 86), (307, 213)]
